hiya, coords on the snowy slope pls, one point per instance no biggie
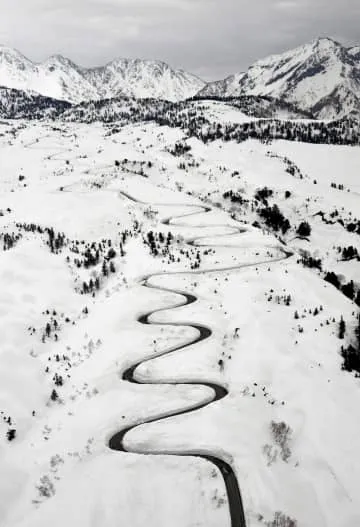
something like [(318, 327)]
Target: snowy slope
[(276, 368), (322, 77), (355, 52), (60, 78)]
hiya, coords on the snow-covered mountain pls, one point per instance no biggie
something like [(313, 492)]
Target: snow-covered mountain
[(57, 77), (322, 77), (60, 78), (142, 79), (228, 87)]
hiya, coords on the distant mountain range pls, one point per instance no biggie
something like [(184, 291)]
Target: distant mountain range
[(60, 78), (321, 78)]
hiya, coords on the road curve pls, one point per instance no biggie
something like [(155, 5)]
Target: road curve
[(116, 442)]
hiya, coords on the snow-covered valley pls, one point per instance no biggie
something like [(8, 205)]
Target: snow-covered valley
[(209, 266)]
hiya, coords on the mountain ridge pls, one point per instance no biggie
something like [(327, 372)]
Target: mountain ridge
[(60, 78), (322, 77)]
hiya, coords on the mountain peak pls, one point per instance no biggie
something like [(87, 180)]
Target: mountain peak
[(7, 53), (322, 77), (59, 61), (326, 42)]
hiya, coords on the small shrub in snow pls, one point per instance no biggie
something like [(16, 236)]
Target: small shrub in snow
[(11, 434), (281, 520), (54, 395), (271, 454), (46, 488), (281, 434)]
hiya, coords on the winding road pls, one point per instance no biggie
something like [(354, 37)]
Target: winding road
[(116, 442)]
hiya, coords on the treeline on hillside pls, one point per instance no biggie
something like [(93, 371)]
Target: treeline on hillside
[(189, 116), (16, 104), (259, 106), (193, 121), (341, 132)]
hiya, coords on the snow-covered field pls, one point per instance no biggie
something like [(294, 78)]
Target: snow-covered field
[(289, 424)]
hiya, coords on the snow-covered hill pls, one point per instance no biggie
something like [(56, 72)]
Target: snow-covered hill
[(322, 77), (85, 214), (60, 78)]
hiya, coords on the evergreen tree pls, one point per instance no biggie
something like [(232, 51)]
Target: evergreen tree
[(342, 328)]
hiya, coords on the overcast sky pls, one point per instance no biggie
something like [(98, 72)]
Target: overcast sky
[(211, 38)]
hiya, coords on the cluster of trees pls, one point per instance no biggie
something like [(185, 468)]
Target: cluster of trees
[(279, 299), (58, 379), (292, 169), (351, 225), (11, 432), (309, 261), (159, 244), (163, 246), (314, 312), (348, 289), (91, 286), (180, 148), (263, 194), (52, 326), (92, 253), (274, 219), (339, 186), (349, 253), (133, 167), (290, 166), (234, 197), (55, 240)]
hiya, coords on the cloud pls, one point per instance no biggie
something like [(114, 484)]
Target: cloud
[(209, 37)]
